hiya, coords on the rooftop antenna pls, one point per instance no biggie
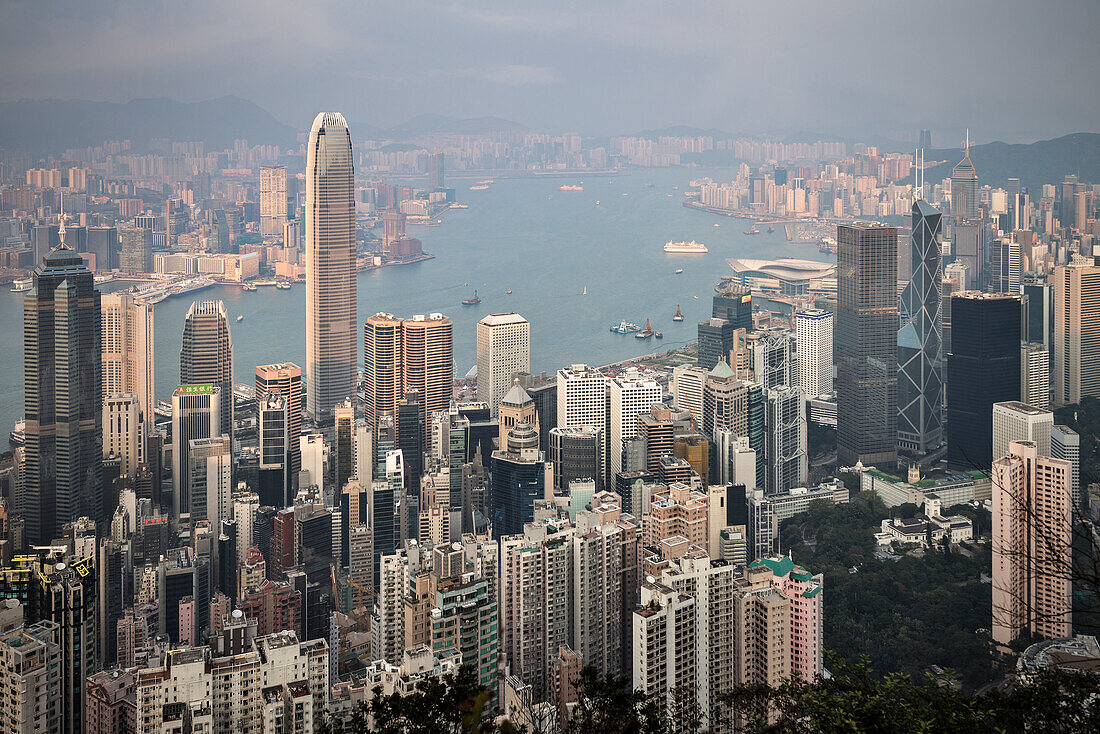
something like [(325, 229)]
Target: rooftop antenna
[(61, 228)]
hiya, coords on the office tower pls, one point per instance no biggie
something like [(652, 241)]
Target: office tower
[(716, 339), (285, 380), (983, 369), (393, 229), (137, 250), (785, 447), (959, 272), (503, 350), (1065, 444), (206, 355), (724, 402), (128, 349), (686, 387), (435, 171), (575, 454), (1038, 304), (769, 357), (62, 396), (867, 344), (103, 242), (365, 456), (428, 360), (655, 435), (1016, 421), (515, 407), (31, 684), (582, 400), (410, 440), (196, 413), (273, 200), (1031, 545), (113, 592), (1035, 374), (920, 380), (274, 474), (269, 683), (733, 303), (519, 478), (382, 367), (354, 511), (631, 396), (1076, 333), (968, 246), (345, 426), (124, 432), (330, 266), (964, 187), (210, 479), (814, 347), (177, 220), (314, 452), (246, 506)]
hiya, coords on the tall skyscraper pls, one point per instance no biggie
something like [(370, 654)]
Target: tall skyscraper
[(124, 431), (273, 201), (1005, 275), (1031, 545), (285, 380), (582, 401), (983, 369), (62, 395), (128, 349), (519, 478), (785, 445), (196, 413), (393, 229), (1035, 374), (435, 171), (867, 345), (631, 396), (402, 355), (206, 354), (103, 243), (503, 350), (274, 471), (964, 187), (716, 339), (1076, 333), (210, 479), (920, 380), (814, 346), (137, 250), (575, 453), (733, 303), (330, 266), (428, 360)]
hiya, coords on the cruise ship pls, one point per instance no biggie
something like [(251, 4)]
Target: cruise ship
[(570, 187), (686, 248)]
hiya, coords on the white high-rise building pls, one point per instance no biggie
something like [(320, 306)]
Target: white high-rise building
[(1035, 374), (664, 644), (196, 411), (814, 345), (210, 479), (582, 399), (245, 506), (686, 387), (273, 202), (1016, 421), (1065, 444), (124, 431), (631, 395), (331, 352), (1076, 338), (503, 349), (313, 459), (128, 348)]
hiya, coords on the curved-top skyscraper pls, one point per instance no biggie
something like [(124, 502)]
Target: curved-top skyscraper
[(330, 266)]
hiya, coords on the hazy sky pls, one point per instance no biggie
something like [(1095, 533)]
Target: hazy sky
[(1009, 69)]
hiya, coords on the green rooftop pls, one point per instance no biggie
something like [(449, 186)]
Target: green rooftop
[(811, 593), (780, 567)]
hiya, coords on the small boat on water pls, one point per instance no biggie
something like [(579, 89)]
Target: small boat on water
[(696, 297), (754, 230), (585, 291), (163, 409), (624, 327), (646, 332), (659, 335), (472, 301), (771, 229), (240, 317), (679, 315), (21, 285), (717, 225), (509, 292), (679, 270)]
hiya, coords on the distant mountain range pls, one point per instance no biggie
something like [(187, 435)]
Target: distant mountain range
[(1045, 161), (52, 125)]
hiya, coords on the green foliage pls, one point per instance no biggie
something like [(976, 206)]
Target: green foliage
[(608, 705), (1084, 418), (855, 700), (902, 615)]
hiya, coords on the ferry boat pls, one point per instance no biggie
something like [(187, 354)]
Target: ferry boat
[(460, 206), (646, 332), (570, 187), (163, 409), (754, 230), (686, 248), (21, 285), (283, 285), (473, 301), (679, 315), (624, 327), (479, 187), (18, 435)]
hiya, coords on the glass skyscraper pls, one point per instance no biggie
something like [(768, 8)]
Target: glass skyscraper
[(330, 266), (867, 344)]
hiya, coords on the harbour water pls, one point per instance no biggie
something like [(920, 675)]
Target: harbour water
[(524, 235)]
